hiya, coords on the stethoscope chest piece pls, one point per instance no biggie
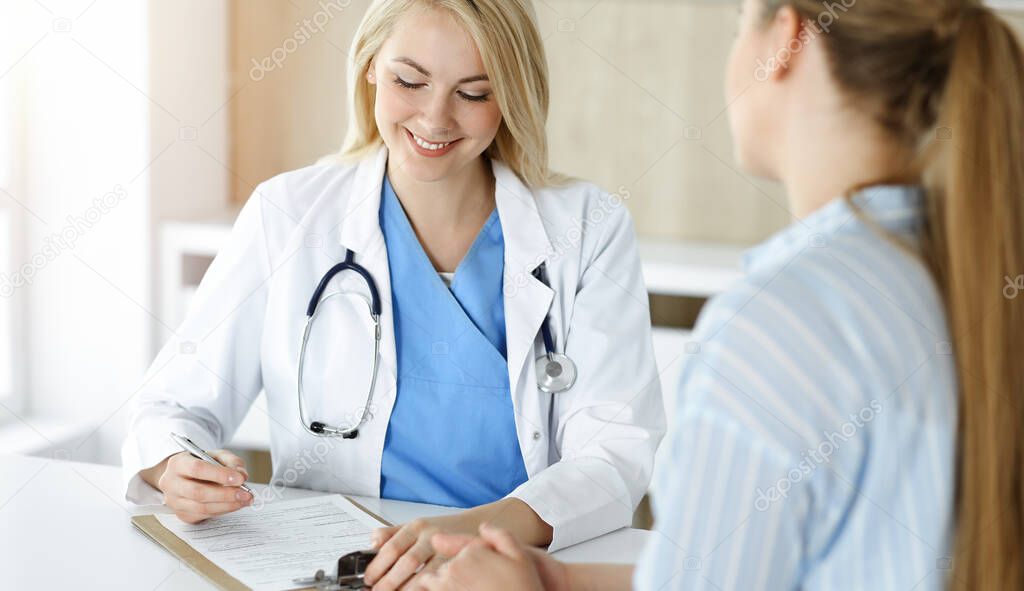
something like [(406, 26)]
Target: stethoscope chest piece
[(555, 373)]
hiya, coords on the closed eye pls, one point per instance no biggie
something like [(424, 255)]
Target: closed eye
[(400, 82), (475, 98)]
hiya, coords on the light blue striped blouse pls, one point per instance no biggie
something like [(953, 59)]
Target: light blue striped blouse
[(812, 441)]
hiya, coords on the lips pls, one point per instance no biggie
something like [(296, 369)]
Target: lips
[(428, 148), (429, 145)]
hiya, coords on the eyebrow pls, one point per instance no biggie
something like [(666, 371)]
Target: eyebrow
[(411, 63)]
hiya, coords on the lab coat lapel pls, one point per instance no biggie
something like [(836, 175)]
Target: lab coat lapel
[(360, 232), (527, 300)]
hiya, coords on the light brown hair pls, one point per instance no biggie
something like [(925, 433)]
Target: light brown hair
[(946, 78)]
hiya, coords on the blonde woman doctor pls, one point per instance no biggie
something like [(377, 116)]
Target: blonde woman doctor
[(437, 318)]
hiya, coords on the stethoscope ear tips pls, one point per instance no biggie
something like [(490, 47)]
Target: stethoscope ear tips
[(555, 373)]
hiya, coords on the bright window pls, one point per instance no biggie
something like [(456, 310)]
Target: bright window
[(9, 82), (7, 333)]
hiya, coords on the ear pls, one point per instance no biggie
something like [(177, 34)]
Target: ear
[(371, 73), (789, 37)]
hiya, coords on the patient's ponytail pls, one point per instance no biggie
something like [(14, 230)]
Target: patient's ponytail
[(946, 78), (975, 174)]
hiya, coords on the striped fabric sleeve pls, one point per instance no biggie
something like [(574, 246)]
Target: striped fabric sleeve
[(728, 515), (731, 503)]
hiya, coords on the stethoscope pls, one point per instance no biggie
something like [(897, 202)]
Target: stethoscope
[(556, 372)]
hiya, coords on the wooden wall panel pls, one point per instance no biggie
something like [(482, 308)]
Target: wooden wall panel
[(287, 115), (637, 103)]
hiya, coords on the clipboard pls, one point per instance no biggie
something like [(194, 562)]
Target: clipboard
[(151, 527)]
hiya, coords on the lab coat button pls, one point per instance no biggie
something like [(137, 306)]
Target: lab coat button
[(536, 435)]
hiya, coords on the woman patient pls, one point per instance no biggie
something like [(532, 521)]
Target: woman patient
[(852, 418)]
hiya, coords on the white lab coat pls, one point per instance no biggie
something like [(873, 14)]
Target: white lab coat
[(587, 471)]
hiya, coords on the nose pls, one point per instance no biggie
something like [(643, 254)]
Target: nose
[(437, 116)]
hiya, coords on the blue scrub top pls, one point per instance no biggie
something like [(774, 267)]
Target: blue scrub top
[(452, 438)]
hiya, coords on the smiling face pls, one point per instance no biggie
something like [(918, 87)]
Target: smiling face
[(435, 109)]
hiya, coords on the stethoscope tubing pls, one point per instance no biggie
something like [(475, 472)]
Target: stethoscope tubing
[(557, 375)]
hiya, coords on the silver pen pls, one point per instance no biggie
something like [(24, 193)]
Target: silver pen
[(187, 445)]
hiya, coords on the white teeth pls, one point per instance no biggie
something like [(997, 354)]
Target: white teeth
[(427, 145)]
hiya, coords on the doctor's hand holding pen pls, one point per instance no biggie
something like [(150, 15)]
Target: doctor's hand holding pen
[(197, 490)]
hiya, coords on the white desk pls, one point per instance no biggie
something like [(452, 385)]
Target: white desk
[(66, 525)]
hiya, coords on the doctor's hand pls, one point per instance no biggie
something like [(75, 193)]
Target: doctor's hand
[(196, 490), (402, 550), (406, 553), (493, 561)]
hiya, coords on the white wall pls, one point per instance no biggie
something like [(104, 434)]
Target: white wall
[(7, 396), (123, 100), (8, 139), (14, 42), (84, 115)]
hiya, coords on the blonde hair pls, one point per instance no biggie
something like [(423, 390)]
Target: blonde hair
[(946, 77), (505, 33)]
